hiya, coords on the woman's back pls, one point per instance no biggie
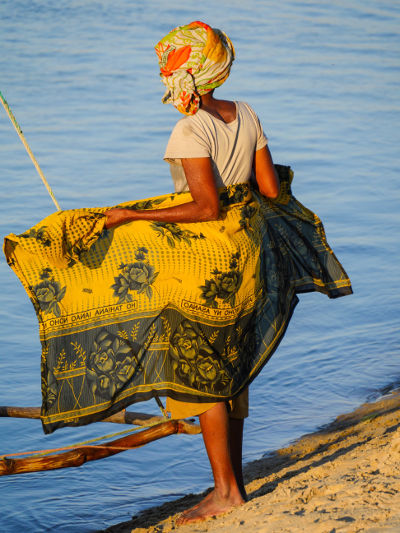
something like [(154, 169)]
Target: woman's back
[(230, 146)]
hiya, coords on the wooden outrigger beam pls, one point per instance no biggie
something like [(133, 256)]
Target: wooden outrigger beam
[(122, 417), (82, 454)]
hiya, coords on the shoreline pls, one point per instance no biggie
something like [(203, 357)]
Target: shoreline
[(344, 477)]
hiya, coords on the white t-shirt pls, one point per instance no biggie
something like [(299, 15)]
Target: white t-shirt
[(230, 146)]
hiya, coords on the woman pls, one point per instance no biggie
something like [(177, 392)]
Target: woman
[(215, 153), (191, 299), (220, 142)]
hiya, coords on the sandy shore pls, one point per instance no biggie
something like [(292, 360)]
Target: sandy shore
[(344, 478)]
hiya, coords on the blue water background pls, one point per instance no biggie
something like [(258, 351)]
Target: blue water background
[(81, 77)]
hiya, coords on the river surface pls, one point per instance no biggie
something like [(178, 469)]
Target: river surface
[(81, 78)]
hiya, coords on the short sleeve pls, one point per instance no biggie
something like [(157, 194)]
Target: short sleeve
[(261, 139), (187, 140)]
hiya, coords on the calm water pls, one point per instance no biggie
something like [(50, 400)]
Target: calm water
[(81, 78)]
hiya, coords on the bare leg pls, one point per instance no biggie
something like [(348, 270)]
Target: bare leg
[(236, 442), (226, 494)]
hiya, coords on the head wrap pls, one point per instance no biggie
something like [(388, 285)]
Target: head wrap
[(194, 59)]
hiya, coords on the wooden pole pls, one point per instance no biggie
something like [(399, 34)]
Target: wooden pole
[(84, 454), (122, 417), (20, 412)]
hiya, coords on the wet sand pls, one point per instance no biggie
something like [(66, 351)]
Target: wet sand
[(342, 478)]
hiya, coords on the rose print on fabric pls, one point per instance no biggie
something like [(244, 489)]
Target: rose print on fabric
[(49, 293), (194, 359), (138, 276), (224, 285), (110, 364)]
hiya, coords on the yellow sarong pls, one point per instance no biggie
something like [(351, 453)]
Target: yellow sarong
[(190, 311)]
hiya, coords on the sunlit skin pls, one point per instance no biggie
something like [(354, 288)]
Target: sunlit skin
[(222, 435)]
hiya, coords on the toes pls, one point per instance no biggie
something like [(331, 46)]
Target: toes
[(188, 517)]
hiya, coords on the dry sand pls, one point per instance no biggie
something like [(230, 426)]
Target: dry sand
[(343, 478)]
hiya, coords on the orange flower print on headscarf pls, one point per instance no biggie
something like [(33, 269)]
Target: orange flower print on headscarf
[(193, 59), (175, 59)]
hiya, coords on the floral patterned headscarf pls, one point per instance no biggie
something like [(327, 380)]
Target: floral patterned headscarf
[(194, 60)]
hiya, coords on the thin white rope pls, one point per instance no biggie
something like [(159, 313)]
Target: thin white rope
[(24, 142)]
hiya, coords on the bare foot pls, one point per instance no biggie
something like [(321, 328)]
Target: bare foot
[(212, 505), (209, 495)]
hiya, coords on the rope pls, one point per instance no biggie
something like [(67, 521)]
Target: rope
[(24, 142), (163, 410), (41, 453)]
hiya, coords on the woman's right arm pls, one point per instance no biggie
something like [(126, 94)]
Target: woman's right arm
[(266, 175), (204, 205)]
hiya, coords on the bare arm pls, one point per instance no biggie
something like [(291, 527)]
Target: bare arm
[(205, 204), (266, 176)]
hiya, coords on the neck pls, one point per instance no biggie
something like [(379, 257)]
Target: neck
[(208, 100), (221, 109)]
